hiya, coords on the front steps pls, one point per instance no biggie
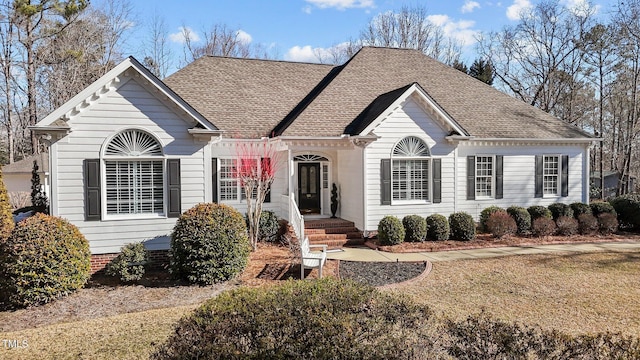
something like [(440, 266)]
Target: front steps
[(335, 233)]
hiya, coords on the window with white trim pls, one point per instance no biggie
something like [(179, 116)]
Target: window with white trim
[(410, 170), (230, 185), (484, 176), (134, 174), (550, 174)]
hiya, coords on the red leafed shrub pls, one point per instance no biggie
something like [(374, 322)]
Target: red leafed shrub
[(587, 224), (567, 225), (500, 224), (543, 226), (608, 223)]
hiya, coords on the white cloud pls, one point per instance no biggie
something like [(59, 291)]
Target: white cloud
[(244, 37), (342, 4), (307, 9), (581, 7), (469, 6), (318, 54), (517, 8), (182, 34), (460, 31)]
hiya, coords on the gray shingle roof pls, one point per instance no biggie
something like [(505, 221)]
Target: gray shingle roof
[(26, 165), (245, 97), (254, 98)]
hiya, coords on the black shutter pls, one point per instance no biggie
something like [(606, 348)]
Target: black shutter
[(565, 175), (471, 177), (174, 188), (92, 206), (538, 176), (437, 181), (385, 181), (214, 180), (266, 162), (499, 190)]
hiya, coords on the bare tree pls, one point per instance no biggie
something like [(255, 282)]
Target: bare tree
[(7, 33), (157, 55), (221, 40)]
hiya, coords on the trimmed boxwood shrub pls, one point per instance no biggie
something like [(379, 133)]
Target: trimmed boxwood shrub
[(521, 217), (538, 211), (462, 226), (608, 223), (485, 214), (628, 209), (560, 209), (130, 264), (44, 258), (580, 208), (415, 227), (209, 244), (501, 224), (323, 319), (587, 224), (437, 227), (390, 231), (567, 225), (543, 226), (601, 207), (269, 226)]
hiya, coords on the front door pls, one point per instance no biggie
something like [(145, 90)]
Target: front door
[(309, 188)]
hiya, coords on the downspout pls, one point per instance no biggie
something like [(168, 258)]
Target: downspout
[(586, 174), (455, 179), (365, 202)]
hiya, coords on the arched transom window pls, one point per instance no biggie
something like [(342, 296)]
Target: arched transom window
[(410, 170), (134, 174)]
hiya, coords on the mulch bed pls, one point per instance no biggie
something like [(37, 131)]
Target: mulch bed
[(380, 274)]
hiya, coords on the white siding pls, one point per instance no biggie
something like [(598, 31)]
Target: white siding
[(129, 106), (519, 175), (408, 119), (351, 186)]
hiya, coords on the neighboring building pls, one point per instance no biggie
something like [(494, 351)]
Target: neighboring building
[(611, 180), (397, 131), (17, 178)]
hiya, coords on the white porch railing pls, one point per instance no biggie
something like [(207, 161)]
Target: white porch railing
[(295, 218)]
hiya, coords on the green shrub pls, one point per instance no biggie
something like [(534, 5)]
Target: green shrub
[(209, 244), (415, 227), (130, 264), (628, 209), (580, 208), (567, 225), (501, 224), (608, 223), (521, 217), (462, 226), (437, 227), (587, 224), (543, 226), (390, 231), (269, 226), (538, 211), (601, 207), (323, 319), (44, 258), (485, 214), (560, 209)]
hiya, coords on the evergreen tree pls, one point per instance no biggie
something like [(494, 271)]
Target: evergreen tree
[(459, 65), (482, 70), (39, 198), (6, 217)]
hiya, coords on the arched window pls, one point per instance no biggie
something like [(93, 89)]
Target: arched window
[(410, 170), (134, 174)]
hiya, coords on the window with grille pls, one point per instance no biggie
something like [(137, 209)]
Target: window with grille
[(230, 185), (134, 174), (410, 170), (551, 174), (484, 176)]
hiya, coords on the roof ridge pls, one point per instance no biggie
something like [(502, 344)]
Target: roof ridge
[(264, 60)]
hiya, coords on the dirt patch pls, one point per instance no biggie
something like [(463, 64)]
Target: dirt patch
[(488, 241), (380, 274)]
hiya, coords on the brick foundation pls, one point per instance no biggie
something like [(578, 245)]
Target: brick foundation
[(159, 259)]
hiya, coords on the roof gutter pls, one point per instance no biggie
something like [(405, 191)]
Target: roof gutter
[(455, 138)]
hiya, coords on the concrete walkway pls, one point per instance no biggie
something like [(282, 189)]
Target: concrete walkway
[(367, 254)]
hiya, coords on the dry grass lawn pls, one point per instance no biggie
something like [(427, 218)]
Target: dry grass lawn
[(573, 293)]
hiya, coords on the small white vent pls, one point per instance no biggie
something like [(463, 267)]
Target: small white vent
[(411, 146), (133, 143)]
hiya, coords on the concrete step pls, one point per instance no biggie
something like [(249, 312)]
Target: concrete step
[(327, 223), (337, 244)]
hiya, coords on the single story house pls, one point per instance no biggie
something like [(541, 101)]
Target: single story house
[(397, 131), (17, 178)]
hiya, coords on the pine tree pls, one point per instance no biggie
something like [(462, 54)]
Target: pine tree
[(39, 198), (6, 217), (482, 70), (459, 65)]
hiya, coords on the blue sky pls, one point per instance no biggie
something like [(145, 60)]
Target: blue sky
[(295, 29)]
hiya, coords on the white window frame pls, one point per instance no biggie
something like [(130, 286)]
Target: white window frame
[(421, 153), (239, 196), (492, 177), (131, 156), (557, 175)]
